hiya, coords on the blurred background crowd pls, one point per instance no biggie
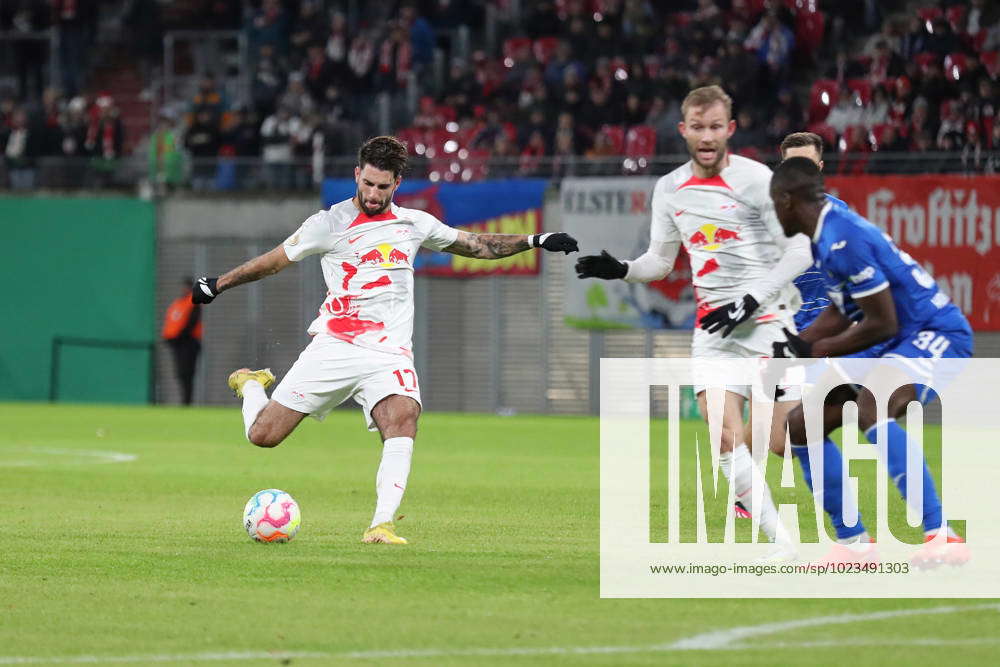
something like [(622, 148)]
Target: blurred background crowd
[(227, 94)]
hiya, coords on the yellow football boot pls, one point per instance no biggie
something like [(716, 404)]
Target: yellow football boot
[(240, 377), (384, 533)]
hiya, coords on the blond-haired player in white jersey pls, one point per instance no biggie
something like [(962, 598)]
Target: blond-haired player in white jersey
[(718, 206), (361, 345)]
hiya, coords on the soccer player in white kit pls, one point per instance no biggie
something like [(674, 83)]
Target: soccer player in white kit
[(718, 206), (361, 345)]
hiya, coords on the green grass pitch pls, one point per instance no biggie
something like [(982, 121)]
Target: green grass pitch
[(146, 561)]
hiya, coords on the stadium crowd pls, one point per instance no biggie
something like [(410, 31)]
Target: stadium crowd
[(571, 87)]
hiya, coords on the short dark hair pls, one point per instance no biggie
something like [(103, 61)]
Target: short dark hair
[(799, 139), (385, 153), (800, 177)]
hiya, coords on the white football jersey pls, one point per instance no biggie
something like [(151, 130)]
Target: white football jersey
[(728, 227), (368, 268)]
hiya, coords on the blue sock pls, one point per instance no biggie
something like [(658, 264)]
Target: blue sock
[(896, 462), (833, 486)]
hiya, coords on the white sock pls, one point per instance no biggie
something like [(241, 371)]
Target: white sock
[(390, 483), (254, 400), (751, 489)]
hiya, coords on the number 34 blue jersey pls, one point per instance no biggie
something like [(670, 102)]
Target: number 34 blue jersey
[(858, 260)]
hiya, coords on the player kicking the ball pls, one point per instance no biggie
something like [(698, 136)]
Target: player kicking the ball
[(361, 345), (718, 206)]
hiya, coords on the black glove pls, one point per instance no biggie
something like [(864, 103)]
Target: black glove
[(794, 346), (204, 291), (602, 266), (730, 316), (554, 242)]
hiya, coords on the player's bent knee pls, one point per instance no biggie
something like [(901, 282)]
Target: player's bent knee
[(262, 438)]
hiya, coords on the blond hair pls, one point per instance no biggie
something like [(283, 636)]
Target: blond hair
[(707, 96)]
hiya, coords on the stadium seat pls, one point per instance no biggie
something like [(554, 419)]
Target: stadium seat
[(757, 7), (990, 62), (822, 97), (926, 58), (928, 14), (640, 145), (877, 132), (956, 17), (825, 131), (514, 48), (855, 139), (861, 87), (617, 135), (544, 48), (810, 25), (955, 64), (751, 152), (680, 19), (975, 41)]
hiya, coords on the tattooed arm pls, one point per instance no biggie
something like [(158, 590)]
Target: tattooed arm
[(488, 246), (259, 267), (495, 246)]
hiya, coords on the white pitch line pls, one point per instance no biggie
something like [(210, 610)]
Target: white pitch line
[(732, 639), (85, 455), (164, 657), (722, 638)]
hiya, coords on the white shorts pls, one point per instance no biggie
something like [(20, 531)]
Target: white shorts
[(329, 371), (750, 340)]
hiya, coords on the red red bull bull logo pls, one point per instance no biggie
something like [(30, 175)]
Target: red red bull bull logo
[(384, 255), (711, 237)]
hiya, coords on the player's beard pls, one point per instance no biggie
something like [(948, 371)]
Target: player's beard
[(373, 212), (715, 166)]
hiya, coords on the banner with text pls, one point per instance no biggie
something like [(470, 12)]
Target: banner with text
[(950, 224), (501, 207), (613, 214)]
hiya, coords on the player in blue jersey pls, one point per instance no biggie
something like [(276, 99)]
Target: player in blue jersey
[(879, 295), (853, 540), (810, 282)]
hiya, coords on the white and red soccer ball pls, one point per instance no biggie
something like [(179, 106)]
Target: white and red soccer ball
[(271, 515)]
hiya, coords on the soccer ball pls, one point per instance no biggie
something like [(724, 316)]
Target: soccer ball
[(271, 516)]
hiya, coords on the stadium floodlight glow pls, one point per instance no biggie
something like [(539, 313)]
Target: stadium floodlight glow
[(463, 153), (824, 98), (667, 525), (450, 146), (451, 126)]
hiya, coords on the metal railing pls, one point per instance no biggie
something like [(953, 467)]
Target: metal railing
[(231, 174)]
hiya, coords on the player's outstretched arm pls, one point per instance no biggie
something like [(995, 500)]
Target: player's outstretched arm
[(654, 264), (206, 289), (495, 246)]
